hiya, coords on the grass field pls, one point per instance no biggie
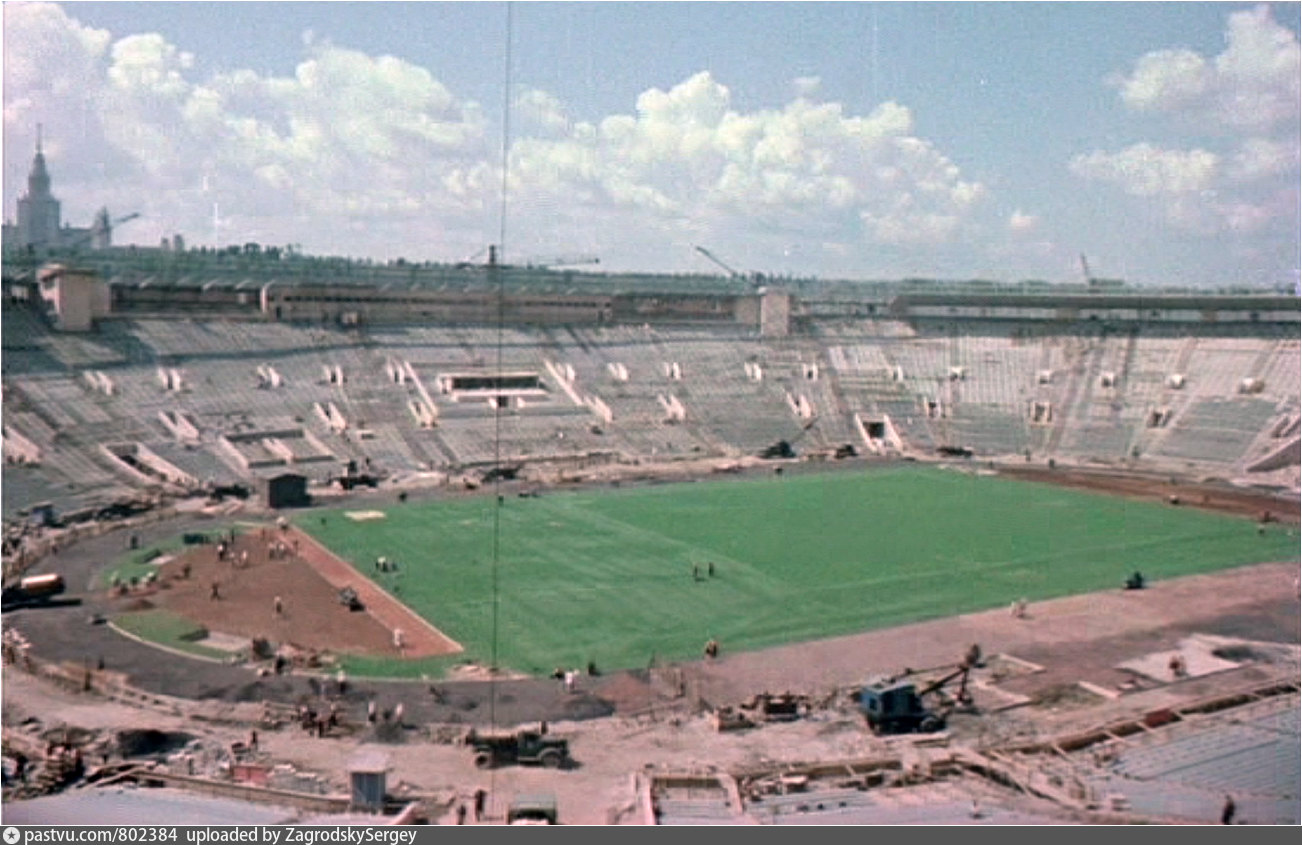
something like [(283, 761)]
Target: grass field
[(159, 626), (606, 575)]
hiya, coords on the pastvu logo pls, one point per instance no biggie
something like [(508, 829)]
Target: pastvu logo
[(12, 835)]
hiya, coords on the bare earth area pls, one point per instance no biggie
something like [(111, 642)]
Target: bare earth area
[(1210, 497), (308, 580)]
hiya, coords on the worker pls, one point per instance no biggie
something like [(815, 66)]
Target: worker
[(709, 569), (1228, 810), (570, 677), (278, 605), (480, 797), (215, 593), (712, 648)]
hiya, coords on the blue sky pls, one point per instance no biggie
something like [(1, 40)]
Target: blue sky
[(845, 140)]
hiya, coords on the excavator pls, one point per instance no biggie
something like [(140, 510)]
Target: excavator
[(895, 705)]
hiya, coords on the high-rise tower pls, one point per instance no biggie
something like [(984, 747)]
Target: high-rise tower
[(38, 210)]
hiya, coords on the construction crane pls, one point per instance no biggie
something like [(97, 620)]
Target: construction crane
[(716, 260), (473, 259), (1094, 282), (94, 232), (755, 279)]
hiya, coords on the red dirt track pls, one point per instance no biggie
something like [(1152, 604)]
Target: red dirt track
[(308, 584), (422, 638), (1250, 503)]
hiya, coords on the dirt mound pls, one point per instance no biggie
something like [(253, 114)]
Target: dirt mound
[(586, 707), (626, 693)]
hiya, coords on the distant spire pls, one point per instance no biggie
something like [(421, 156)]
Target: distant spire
[(38, 180)]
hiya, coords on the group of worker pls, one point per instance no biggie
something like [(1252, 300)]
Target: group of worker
[(569, 678), (319, 723)]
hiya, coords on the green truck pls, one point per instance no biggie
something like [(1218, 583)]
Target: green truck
[(530, 747)]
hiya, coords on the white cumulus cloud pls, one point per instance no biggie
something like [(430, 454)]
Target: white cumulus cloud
[(1252, 84), (687, 154), (352, 146), (1243, 175), (1146, 171)]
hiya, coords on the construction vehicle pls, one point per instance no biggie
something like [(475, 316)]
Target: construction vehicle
[(529, 747), (898, 706), (533, 809), (33, 590), (348, 598)]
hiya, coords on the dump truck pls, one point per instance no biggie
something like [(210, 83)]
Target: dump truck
[(529, 747), (33, 590)]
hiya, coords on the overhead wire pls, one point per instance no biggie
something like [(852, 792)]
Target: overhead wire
[(500, 284)]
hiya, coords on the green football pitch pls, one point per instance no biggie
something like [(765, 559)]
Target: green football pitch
[(607, 575)]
